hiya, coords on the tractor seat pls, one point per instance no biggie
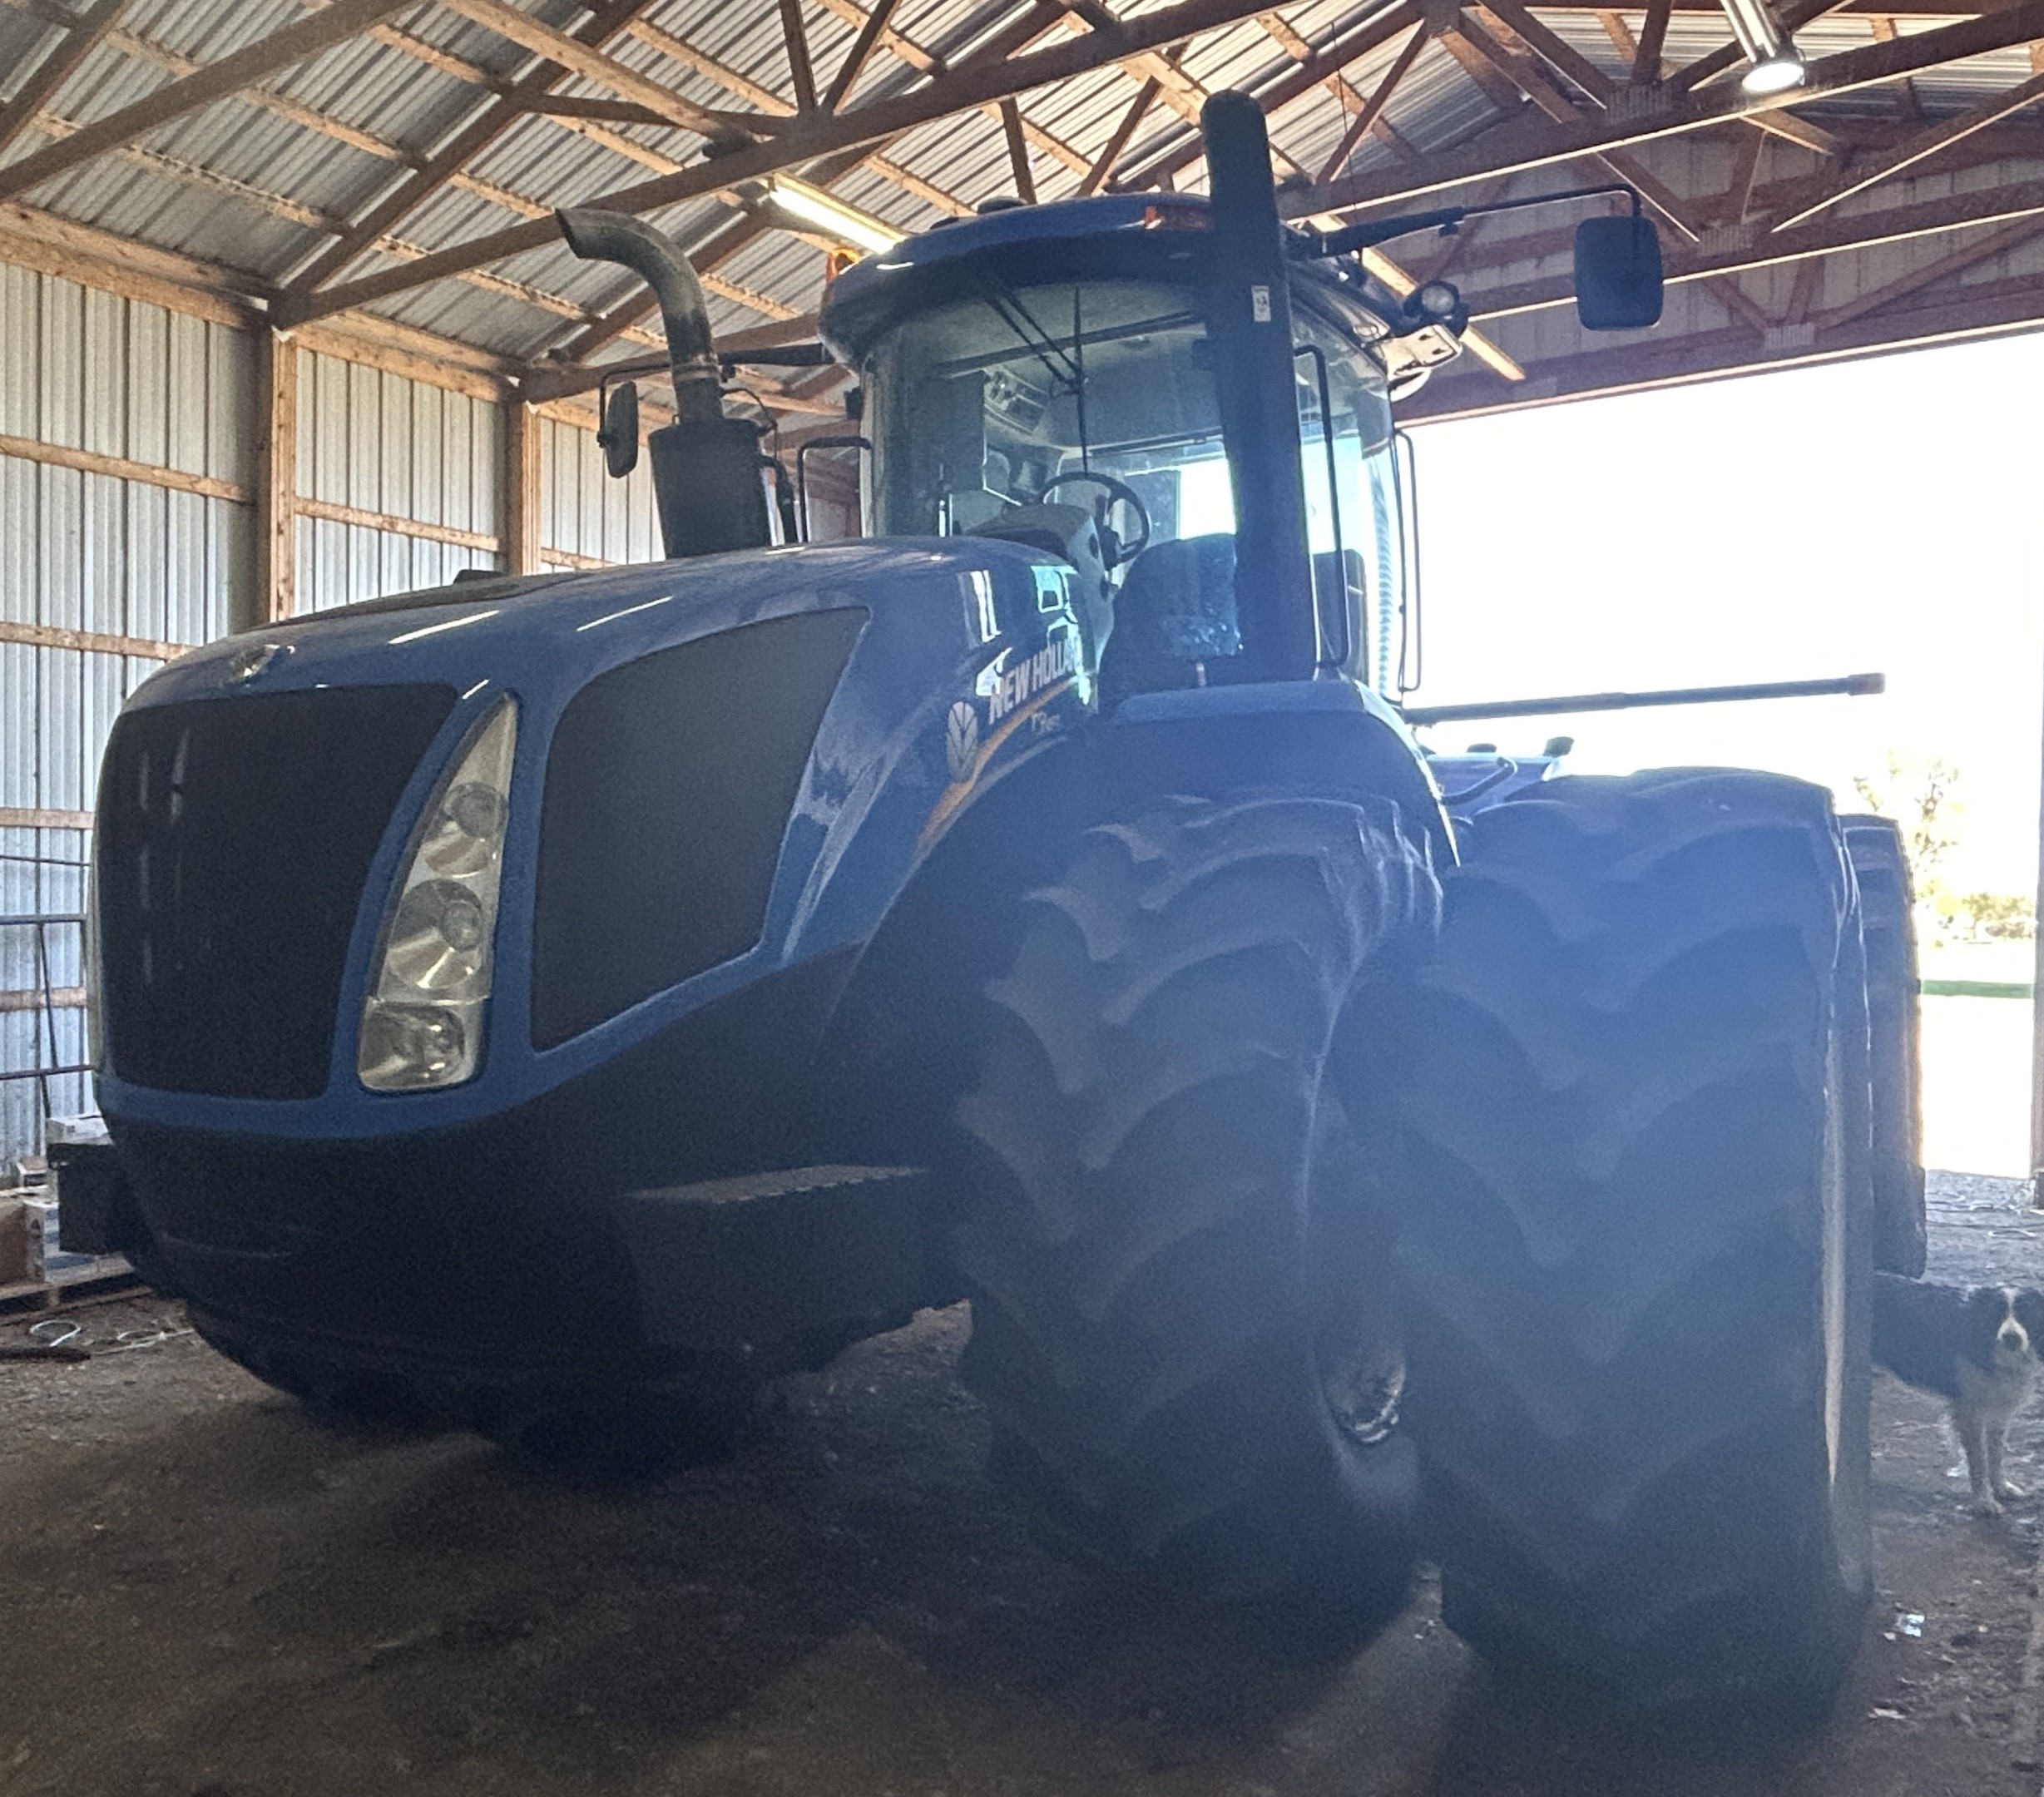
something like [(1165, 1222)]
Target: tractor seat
[(1174, 618)]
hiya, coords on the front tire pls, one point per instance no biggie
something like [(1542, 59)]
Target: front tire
[(1169, 1241), (1636, 1268)]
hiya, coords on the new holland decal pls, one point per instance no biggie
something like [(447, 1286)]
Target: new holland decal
[(1014, 693), (1007, 689)]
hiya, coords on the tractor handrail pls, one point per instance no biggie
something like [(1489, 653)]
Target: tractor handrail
[(1849, 684)]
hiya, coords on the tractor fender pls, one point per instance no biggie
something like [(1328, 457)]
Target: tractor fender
[(890, 1052)]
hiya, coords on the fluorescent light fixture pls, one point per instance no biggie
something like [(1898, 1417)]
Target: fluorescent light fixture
[(1777, 65), (848, 224)]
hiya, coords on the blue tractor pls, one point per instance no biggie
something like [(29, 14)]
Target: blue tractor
[(556, 1006)]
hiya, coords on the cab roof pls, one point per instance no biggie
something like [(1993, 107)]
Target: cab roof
[(1114, 236)]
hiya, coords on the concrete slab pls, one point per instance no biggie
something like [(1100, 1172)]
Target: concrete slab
[(206, 1595)]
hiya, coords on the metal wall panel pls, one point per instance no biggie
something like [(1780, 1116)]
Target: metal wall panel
[(380, 444), (584, 514), (88, 370)]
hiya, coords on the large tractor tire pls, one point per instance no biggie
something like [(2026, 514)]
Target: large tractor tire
[(1887, 911), (1179, 1285), (1635, 1265)]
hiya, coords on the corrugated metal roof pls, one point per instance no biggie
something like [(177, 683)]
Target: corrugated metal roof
[(253, 186)]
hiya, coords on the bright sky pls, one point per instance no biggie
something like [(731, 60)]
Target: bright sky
[(1874, 515)]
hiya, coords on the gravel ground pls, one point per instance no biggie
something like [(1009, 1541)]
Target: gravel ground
[(208, 1596)]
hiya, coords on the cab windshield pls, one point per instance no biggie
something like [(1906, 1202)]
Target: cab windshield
[(1019, 397)]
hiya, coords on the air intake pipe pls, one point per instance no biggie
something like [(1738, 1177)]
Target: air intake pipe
[(1249, 321), (706, 467)]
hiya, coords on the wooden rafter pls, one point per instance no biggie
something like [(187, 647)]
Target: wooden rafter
[(1372, 108), (1275, 27), (1117, 140), (962, 87), (1972, 252), (1653, 34), (1981, 209), (1925, 144), (295, 43), (446, 163), (1905, 90), (78, 42), (859, 55), (1019, 153), (1873, 65), (593, 65), (801, 72), (1037, 20), (1302, 78)]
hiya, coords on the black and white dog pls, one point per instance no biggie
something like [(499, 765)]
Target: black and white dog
[(1978, 1348)]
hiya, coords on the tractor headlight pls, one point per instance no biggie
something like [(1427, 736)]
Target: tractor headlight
[(421, 1023)]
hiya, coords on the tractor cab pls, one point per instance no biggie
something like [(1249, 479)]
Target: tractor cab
[(1048, 376)]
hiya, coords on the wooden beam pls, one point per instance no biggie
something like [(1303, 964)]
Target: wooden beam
[(1924, 145), (519, 505), (963, 88), (1117, 140), (1873, 65), (64, 56), (591, 64), (1905, 90), (801, 72), (504, 111), (89, 642), (611, 111), (1561, 55), (1653, 34), (1372, 108), (1038, 19), (1973, 250), (395, 524), (37, 817), (295, 43), (1019, 153), (1291, 85), (120, 467), (276, 486), (1979, 209), (861, 52)]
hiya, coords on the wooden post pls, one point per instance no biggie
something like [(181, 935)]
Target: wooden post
[(518, 528), (276, 485)]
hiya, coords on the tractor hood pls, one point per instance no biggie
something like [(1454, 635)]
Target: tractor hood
[(706, 773)]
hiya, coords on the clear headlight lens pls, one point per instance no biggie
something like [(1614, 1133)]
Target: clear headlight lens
[(422, 1024)]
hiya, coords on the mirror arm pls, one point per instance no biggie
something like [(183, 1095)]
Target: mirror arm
[(1374, 231)]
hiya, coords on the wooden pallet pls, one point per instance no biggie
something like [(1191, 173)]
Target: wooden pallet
[(32, 1298)]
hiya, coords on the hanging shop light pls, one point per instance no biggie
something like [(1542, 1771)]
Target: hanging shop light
[(1777, 65), (832, 216)]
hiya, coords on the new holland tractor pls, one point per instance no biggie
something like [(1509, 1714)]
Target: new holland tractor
[(555, 1006)]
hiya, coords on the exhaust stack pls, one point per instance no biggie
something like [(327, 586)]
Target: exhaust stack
[(706, 467)]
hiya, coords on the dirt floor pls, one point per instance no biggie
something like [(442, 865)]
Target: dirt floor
[(205, 1595)]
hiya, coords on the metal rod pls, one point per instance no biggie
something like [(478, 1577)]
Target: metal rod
[(1849, 684)]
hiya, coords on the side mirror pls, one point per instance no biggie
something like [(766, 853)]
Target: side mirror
[(618, 436), (1618, 273)]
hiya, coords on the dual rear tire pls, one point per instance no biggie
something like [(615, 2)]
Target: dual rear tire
[(1616, 1124)]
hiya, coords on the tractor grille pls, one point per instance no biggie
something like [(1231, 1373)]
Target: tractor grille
[(669, 784), (235, 837)]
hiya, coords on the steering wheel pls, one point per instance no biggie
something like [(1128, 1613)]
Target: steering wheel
[(1115, 489)]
